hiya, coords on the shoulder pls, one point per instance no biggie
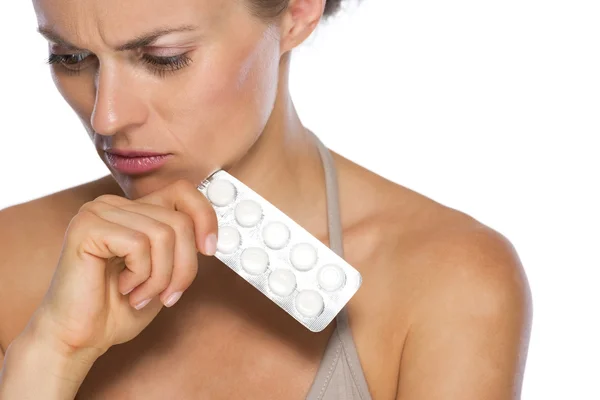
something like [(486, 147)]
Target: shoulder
[(471, 270), (31, 236), (36, 223), (437, 285), (421, 250), (461, 263), (434, 259), (441, 287), (469, 316)]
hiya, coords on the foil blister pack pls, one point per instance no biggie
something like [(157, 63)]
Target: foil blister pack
[(277, 256)]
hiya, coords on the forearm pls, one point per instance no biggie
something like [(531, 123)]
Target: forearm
[(34, 370)]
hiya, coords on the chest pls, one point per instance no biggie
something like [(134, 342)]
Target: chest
[(211, 346)]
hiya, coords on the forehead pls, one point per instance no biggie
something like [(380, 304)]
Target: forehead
[(112, 20)]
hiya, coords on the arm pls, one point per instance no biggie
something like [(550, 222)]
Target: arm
[(29, 369), (33, 369), (470, 336), (84, 312)]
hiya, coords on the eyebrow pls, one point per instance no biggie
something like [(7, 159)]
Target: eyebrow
[(136, 43)]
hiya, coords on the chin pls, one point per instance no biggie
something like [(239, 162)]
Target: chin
[(138, 186)]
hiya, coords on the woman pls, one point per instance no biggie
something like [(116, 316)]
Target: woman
[(117, 295)]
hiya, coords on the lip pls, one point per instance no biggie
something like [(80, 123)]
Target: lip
[(134, 162)]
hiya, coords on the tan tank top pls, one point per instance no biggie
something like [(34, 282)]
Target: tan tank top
[(340, 375)]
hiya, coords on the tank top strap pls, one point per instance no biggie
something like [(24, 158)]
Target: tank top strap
[(334, 220), (341, 346)]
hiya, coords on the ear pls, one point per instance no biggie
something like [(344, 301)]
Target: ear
[(298, 22)]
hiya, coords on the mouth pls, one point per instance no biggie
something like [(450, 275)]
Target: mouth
[(133, 162)]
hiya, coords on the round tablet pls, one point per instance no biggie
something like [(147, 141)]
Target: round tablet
[(309, 303), (303, 256), (221, 192), (248, 213), (276, 235), (254, 260), (282, 282), (331, 277), (228, 239)]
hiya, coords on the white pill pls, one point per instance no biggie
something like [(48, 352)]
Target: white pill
[(221, 192), (303, 256), (309, 303), (228, 239), (276, 235), (248, 213), (282, 282), (331, 277), (254, 260)]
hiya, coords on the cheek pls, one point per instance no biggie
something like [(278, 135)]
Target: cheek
[(227, 97)]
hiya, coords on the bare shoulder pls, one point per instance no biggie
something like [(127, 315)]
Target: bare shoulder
[(438, 283), (469, 316), (422, 247), (31, 236)]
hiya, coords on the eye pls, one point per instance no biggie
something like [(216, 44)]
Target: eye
[(160, 65), (164, 65), (72, 63)]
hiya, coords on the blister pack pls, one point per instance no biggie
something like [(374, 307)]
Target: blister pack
[(277, 256)]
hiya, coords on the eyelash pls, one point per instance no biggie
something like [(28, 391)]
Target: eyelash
[(158, 65), (164, 65)]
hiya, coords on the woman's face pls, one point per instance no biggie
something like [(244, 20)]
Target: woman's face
[(194, 79)]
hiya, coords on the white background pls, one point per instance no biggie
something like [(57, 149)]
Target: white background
[(491, 107)]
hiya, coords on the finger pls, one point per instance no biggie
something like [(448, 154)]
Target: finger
[(94, 239), (185, 261), (185, 266), (162, 245), (185, 197), (113, 199)]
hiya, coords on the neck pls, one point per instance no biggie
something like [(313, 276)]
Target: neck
[(284, 166)]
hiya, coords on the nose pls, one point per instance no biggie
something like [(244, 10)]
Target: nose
[(118, 106)]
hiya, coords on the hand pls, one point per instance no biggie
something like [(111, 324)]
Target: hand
[(121, 262)]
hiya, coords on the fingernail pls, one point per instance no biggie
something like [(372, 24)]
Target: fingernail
[(127, 292), (210, 245), (172, 299), (142, 304)]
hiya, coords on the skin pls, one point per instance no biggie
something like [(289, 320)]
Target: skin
[(444, 311)]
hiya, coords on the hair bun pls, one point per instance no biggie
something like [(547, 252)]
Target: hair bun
[(331, 7)]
